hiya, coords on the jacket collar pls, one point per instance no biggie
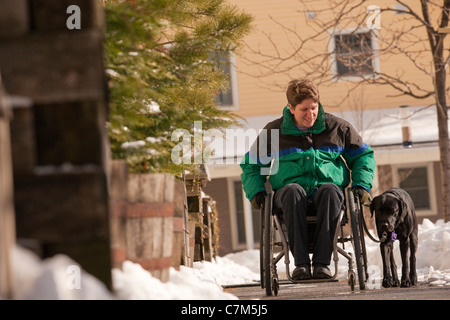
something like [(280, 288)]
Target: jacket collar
[(288, 126)]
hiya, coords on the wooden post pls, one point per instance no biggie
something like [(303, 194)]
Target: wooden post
[(7, 224), (198, 232), (179, 225), (148, 215), (59, 144), (149, 222), (118, 196), (187, 252), (207, 242)]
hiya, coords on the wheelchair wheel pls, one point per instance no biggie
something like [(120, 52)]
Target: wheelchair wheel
[(261, 246), (266, 249), (351, 280), (363, 242), (356, 236)]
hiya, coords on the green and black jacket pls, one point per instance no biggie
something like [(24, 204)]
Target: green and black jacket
[(325, 153)]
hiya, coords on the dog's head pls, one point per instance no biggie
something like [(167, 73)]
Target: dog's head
[(389, 209)]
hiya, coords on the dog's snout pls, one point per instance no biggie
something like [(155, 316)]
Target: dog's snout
[(385, 226)]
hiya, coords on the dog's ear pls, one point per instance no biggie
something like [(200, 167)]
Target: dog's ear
[(403, 206)]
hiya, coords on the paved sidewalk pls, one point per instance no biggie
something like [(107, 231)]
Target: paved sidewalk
[(341, 291)]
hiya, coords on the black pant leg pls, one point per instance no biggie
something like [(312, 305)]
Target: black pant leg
[(327, 202), (293, 201)]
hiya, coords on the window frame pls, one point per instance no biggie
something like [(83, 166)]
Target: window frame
[(233, 84), (250, 242), (335, 76)]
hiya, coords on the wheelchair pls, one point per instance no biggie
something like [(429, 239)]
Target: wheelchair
[(274, 237)]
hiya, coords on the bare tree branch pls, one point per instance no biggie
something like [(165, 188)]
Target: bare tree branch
[(309, 57)]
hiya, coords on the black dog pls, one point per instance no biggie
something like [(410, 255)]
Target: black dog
[(396, 219)]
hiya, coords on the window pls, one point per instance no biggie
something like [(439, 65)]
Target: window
[(245, 220), (418, 181), (415, 182), (228, 99), (354, 54)]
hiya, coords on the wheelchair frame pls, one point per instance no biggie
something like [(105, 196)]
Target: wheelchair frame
[(270, 222)]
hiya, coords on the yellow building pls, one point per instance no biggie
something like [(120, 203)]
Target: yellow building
[(318, 39)]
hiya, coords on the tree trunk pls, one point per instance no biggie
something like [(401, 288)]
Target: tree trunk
[(442, 114), (436, 41), (444, 149)]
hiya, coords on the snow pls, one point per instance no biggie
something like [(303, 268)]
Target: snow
[(60, 278), (135, 283)]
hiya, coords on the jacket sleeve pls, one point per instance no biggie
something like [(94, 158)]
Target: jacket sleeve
[(252, 179), (360, 159), (255, 166)]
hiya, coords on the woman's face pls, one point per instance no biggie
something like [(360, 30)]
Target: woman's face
[(305, 113)]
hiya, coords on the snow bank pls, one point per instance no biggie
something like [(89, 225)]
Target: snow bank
[(434, 245), (232, 269), (60, 278), (135, 283), (55, 278)]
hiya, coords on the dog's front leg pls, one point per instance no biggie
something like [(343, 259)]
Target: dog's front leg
[(412, 259), (404, 251), (386, 249), (395, 281)]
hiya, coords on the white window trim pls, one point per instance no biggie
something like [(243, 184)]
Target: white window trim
[(431, 185), (233, 219), (233, 85), (333, 61)]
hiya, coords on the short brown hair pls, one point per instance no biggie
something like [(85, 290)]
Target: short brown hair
[(301, 89)]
